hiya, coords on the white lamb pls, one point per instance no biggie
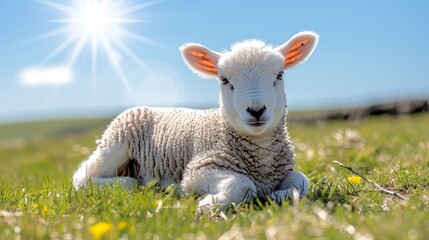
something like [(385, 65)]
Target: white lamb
[(234, 153)]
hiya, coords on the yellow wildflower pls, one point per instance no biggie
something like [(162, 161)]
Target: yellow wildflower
[(44, 211), (354, 179), (98, 230), (157, 202), (122, 225)]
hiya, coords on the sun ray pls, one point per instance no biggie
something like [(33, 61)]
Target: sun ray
[(61, 7), (94, 47), (65, 44), (77, 50), (116, 65), (132, 35), (140, 7), (129, 53), (58, 32)]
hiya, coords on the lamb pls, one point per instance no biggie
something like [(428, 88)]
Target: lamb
[(234, 153)]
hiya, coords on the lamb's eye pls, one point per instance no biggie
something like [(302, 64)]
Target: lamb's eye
[(280, 76), (224, 80)]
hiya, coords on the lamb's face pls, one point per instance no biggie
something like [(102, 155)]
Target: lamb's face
[(252, 91), (252, 95)]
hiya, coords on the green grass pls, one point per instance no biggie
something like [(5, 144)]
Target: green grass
[(37, 201)]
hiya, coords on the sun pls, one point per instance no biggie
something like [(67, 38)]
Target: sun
[(100, 24), (95, 17)]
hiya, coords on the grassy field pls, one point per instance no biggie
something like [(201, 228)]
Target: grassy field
[(38, 202)]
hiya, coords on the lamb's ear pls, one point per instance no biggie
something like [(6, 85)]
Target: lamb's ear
[(298, 48), (200, 59)]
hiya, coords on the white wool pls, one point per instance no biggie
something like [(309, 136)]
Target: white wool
[(250, 56)]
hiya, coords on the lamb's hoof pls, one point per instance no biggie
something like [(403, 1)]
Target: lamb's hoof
[(293, 181), (213, 203), (280, 195)]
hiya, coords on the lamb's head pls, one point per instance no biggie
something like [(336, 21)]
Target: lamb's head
[(252, 95)]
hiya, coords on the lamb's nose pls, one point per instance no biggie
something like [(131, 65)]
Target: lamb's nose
[(256, 113)]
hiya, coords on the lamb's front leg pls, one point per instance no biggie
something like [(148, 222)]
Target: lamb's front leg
[(294, 181), (220, 187)]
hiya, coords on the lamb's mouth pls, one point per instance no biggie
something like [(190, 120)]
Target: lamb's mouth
[(256, 124)]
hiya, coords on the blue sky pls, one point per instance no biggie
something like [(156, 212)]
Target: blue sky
[(369, 51)]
